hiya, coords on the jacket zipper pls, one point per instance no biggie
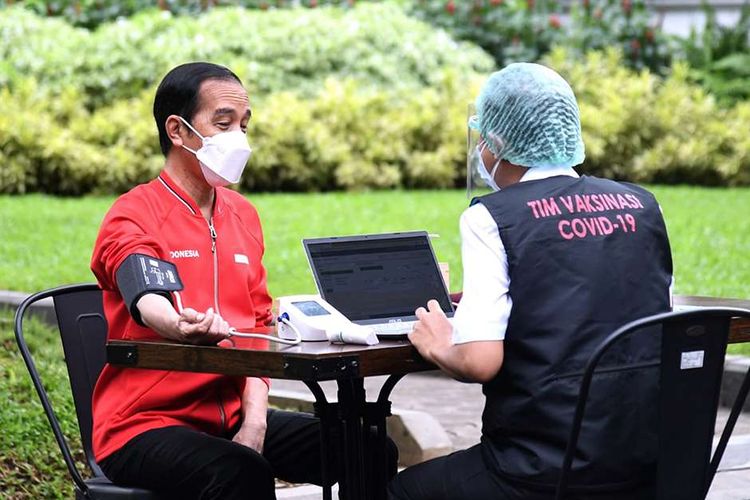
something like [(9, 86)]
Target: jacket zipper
[(212, 231)]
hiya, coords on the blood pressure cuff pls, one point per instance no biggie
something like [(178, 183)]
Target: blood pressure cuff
[(140, 274)]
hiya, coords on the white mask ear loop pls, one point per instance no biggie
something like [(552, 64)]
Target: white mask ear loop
[(195, 131), (234, 333), (494, 170)]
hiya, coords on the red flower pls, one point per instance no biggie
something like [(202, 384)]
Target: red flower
[(496, 3), (554, 21), (450, 7), (313, 3), (530, 4)]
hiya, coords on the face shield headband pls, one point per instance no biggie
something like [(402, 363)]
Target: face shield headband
[(479, 181)]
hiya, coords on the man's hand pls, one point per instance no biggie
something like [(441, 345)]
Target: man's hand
[(251, 435), (432, 332), (201, 328), (189, 326)]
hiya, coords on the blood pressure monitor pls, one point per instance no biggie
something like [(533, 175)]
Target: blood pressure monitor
[(317, 320)]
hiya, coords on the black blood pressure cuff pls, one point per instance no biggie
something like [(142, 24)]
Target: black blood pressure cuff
[(140, 274)]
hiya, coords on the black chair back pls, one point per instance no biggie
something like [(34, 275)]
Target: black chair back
[(693, 351), (693, 348), (83, 330)]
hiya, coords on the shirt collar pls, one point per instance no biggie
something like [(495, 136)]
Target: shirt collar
[(534, 174)]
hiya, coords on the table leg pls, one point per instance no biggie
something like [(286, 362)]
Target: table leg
[(352, 483), (363, 471), (377, 413), (326, 412)]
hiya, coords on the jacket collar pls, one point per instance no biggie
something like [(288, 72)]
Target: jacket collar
[(174, 190)]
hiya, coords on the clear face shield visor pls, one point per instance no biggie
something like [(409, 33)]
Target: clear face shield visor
[(475, 185)]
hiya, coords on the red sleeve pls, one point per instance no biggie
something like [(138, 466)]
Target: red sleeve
[(122, 233), (262, 301), (259, 289)]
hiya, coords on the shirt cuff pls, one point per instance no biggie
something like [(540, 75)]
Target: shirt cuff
[(471, 331)]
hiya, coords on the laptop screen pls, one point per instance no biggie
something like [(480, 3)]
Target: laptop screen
[(377, 277)]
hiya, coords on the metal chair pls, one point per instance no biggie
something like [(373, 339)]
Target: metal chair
[(83, 331), (693, 348)]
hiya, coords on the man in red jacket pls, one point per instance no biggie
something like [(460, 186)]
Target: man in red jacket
[(192, 435)]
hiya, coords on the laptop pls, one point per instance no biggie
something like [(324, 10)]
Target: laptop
[(378, 280)]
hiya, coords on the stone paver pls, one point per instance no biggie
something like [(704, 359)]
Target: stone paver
[(458, 408)]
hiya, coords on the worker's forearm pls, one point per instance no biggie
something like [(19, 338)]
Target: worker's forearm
[(470, 362)]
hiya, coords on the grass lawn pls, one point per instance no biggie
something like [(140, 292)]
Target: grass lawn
[(47, 241)]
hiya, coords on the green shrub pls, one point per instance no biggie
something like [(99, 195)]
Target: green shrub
[(720, 56), (347, 138), (39, 150), (92, 13), (275, 50), (510, 30), (640, 127), (344, 137), (525, 30)]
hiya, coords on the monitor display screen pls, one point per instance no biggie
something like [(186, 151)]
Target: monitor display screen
[(310, 308)]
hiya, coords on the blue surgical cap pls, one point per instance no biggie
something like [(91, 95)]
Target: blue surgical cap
[(528, 115)]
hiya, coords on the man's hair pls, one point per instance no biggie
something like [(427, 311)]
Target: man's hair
[(179, 92)]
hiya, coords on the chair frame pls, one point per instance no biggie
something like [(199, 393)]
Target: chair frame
[(80, 483), (624, 331)]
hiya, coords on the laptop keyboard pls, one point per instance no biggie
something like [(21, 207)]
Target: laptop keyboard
[(399, 327)]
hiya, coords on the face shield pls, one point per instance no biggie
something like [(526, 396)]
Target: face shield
[(475, 185)]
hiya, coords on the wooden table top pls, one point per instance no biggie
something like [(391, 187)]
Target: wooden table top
[(318, 360), (254, 358)]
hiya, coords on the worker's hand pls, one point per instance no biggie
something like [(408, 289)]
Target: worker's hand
[(201, 328), (432, 332), (252, 435)]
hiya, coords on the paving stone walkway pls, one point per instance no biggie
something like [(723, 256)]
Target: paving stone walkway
[(458, 408)]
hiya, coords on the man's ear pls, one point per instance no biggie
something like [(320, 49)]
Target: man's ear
[(176, 130)]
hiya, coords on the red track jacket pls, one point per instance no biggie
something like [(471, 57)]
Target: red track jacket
[(220, 269)]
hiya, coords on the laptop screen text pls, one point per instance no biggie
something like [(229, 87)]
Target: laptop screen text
[(374, 279)]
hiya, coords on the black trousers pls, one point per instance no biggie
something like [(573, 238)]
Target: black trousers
[(464, 475), (181, 463)]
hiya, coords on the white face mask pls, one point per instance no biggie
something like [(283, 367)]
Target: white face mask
[(222, 157), (488, 178)]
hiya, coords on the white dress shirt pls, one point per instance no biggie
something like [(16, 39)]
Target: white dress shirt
[(485, 306)]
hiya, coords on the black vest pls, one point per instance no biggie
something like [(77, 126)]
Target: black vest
[(585, 256)]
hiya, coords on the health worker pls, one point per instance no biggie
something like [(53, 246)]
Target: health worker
[(553, 262)]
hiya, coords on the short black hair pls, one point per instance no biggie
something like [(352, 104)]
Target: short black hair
[(178, 94)]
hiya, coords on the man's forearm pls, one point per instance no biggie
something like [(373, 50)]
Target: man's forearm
[(159, 315), (255, 402)]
